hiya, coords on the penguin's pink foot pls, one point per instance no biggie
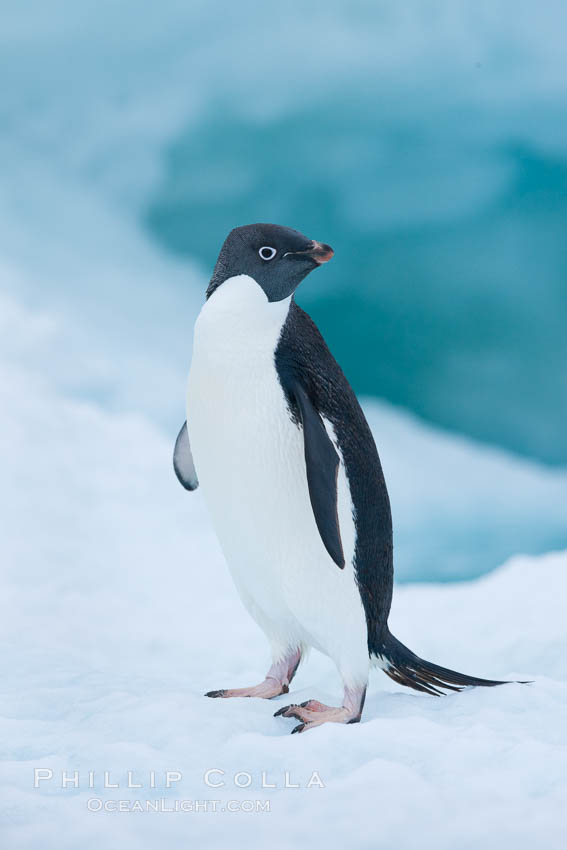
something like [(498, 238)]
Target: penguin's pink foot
[(313, 713), (267, 689), (277, 680)]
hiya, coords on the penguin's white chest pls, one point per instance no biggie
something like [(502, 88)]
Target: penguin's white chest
[(249, 457)]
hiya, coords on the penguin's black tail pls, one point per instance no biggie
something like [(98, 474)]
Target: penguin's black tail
[(403, 666)]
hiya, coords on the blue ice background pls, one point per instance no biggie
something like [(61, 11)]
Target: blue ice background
[(426, 141)]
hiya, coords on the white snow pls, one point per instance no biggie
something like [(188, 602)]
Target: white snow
[(119, 613)]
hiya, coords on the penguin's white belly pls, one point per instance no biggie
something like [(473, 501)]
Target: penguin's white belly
[(249, 457)]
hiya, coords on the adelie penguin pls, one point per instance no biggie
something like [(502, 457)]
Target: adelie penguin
[(292, 479)]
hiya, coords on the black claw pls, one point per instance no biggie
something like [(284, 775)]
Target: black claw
[(280, 711), (215, 694), (303, 704), (299, 728)]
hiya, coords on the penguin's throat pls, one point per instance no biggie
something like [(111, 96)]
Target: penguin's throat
[(238, 315)]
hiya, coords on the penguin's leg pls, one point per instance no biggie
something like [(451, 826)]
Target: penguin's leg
[(277, 681), (353, 667), (313, 713)]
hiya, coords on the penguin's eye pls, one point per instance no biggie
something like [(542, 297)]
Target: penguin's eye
[(267, 253)]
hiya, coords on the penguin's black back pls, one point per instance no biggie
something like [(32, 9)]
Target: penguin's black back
[(303, 355)]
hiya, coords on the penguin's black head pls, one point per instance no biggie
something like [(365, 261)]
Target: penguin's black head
[(277, 258)]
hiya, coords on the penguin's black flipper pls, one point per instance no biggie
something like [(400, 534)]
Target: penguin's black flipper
[(322, 463), (183, 461)]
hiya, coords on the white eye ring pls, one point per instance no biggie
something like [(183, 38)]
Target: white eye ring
[(267, 253)]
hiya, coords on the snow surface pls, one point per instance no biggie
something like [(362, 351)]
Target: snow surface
[(119, 613)]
